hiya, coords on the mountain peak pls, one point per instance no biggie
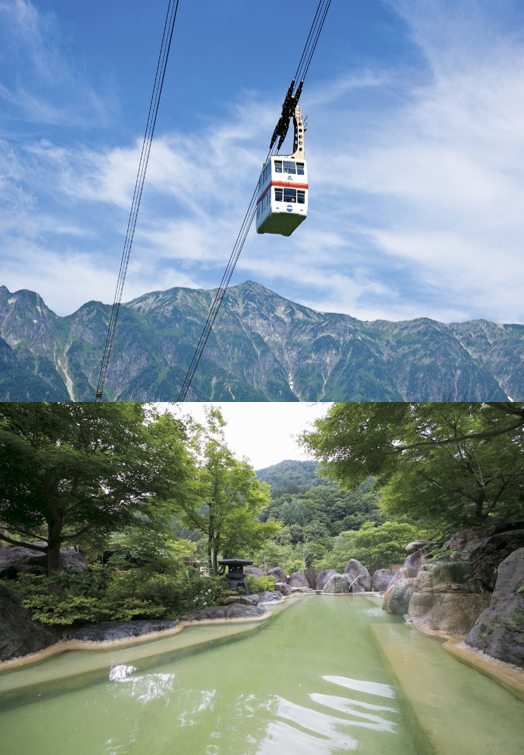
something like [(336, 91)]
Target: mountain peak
[(262, 347)]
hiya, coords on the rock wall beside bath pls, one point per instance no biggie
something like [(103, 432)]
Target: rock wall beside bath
[(499, 630), (19, 635)]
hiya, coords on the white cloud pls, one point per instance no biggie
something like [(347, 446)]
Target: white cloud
[(415, 204)]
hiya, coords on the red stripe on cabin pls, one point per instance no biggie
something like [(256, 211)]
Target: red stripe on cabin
[(285, 184)]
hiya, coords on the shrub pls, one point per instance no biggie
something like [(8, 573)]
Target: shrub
[(109, 594), (260, 584)]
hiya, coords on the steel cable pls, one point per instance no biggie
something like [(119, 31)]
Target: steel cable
[(165, 47), (302, 69)]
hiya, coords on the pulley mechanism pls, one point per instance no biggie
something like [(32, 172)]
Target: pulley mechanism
[(288, 112)]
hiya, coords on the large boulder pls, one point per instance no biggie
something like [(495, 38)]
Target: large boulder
[(499, 630), (397, 596), (298, 579), (416, 553), (19, 635), (283, 588), (311, 576), (466, 540), (360, 579), (491, 552), (337, 583), (447, 576), (278, 573), (405, 572), (323, 577), (254, 571), (450, 613), (15, 560), (415, 546), (381, 580)]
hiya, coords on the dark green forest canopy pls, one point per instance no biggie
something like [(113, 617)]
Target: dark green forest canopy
[(319, 507), (456, 464)]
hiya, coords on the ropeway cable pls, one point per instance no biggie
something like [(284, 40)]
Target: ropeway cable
[(302, 69), (165, 47)]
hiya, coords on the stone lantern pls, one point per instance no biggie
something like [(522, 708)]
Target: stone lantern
[(235, 575)]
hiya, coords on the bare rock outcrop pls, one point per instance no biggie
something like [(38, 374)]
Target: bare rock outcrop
[(416, 553), (311, 576), (278, 573), (283, 588), (491, 552), (360, 578), (19, 635), (381, 580), (337, 583), (499, 630), (397, 596), (323, 577), (15, 560), (254, 571), (298, 579), (453, 614)]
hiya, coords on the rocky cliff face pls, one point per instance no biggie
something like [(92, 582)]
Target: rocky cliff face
[(262, 348)]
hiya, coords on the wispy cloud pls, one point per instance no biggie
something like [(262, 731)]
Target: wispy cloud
[(39, 81), (416, 199)]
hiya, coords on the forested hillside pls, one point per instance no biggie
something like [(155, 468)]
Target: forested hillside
[(322, 525), (314, 507)]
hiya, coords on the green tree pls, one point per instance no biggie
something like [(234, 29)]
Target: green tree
[(375, 546), (75, 472), (437, 462), (229, 499), (294, 512)]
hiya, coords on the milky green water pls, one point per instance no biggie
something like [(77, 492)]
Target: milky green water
[(310, 681)]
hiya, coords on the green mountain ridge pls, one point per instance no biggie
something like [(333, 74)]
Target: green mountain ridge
[(263, 348)]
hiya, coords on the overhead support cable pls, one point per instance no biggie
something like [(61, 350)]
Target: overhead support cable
[(292, 97), (165, 47)]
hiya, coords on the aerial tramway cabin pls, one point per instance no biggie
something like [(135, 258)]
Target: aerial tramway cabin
[(283, 188)]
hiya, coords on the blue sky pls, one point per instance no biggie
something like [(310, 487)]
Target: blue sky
[(415, 151)]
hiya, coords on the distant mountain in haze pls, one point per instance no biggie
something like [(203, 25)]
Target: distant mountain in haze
[(262, 348), (291, 476)]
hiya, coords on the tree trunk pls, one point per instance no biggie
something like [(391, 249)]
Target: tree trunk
[(54, 541), (211, 545), (215, 563)]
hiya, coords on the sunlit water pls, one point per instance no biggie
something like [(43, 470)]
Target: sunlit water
[(310, 681)]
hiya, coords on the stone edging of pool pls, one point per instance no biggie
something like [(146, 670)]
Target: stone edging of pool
[(64, 645), (508, 676)]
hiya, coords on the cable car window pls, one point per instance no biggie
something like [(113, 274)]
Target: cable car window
[(290, 195), (301, 197), (278, 166), (278, 195), (289, 166), (300, 169)]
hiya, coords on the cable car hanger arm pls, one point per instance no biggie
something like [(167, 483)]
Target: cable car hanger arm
[(288, 112)]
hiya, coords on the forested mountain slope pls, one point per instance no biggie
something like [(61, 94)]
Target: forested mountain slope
[(262, 348), (313, 506)]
